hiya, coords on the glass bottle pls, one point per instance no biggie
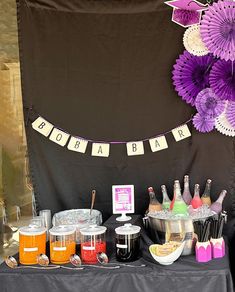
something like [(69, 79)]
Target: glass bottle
[(154, 204), (186, 194), (173, 200), (206, 199), (179, 207), (217, 205), (166, 201), (196, 201)]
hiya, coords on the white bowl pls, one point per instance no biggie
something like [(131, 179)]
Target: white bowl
[(170, 258)]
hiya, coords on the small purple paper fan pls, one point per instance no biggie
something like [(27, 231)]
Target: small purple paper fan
[(222, 79), (191, 75), (203, 124), (230, 113), (208, 104), (218, 29), (186, 17)]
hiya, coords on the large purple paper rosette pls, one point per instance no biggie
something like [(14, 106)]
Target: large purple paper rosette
[(222, 79), (191, 75), (203, 124), (230, 113), (218, 29), (208, 104)]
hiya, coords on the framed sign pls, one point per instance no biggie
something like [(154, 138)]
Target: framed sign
[(123, 201)]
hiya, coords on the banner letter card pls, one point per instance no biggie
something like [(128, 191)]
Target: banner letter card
[(100, 149), (42, 126), (158, 143), (59, 137), (181, 133), (77, 144), (135, 148)]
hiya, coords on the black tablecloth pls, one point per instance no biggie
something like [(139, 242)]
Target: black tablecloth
[(184, 275)]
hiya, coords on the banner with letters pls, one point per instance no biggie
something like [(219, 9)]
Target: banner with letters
[(102, 148)]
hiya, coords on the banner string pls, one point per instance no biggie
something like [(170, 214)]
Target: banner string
[(30, 109)]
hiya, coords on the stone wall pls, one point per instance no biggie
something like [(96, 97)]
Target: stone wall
[(8, 32)]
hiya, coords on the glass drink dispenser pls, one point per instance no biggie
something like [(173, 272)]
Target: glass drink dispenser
[(62, 243), (32, 242), (92, 242)]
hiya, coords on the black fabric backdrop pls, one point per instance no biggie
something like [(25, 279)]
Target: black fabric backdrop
[(101, 69)]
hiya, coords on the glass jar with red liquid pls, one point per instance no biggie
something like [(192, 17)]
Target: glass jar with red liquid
[(92, 242)]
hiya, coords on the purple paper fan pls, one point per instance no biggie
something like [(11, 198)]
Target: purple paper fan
[(208, 104), (203, 124), (191, 75), (222, 79), (230, 113), (186, 17), (218, 29)]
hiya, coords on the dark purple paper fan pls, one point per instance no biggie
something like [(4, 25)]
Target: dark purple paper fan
[(222, 79), (218, 29), (230, 113), (203, 124), (208, 104), (191, 75)]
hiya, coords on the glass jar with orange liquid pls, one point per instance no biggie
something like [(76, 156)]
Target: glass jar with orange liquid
[(32, 242), (92, 242), (62, 243)]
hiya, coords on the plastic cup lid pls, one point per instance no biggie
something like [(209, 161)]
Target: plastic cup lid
[(93, 230), (32, 230), (127, 229), (62, 230)]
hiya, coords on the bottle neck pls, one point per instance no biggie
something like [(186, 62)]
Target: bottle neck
[(207, 190), (196, 191), (221, 197)]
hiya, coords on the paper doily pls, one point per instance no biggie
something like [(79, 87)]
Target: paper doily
[(193, 42), (223, 126)]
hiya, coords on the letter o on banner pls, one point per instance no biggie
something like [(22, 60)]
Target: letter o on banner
[(59, 137)]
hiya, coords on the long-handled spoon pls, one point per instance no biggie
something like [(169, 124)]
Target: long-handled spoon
[(104, 260), (44, 261), (12, 263), (76, 261)]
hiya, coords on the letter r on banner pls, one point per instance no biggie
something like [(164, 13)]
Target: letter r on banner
[(42, 126), (59, 137), (135, 148), (100, 149), (181, 133)]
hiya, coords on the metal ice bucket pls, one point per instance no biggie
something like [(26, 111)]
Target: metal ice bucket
[(172, 229)]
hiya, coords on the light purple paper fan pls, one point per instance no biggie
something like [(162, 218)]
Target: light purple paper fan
[(208, 104), (230, 113), (203, 124), (222, 79), (218, 29), (191, 75)]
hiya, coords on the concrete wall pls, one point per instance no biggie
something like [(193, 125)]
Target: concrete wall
[(8, 32)]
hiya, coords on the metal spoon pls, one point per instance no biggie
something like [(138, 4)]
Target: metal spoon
[(44, 261), (75, 260), (104, 260), (12, 263)]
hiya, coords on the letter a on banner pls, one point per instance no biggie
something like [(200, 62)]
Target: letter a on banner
[(181, 133), (59, 137), (42, 126), (100, 149), (135, 148), (158, 143)]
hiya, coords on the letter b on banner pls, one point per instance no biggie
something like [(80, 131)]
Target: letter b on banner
[(42, 126), (135, 148)]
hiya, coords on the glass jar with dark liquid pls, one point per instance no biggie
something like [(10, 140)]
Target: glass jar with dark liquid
[(127, 243)]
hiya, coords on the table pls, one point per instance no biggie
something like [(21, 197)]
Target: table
[(184, 275)]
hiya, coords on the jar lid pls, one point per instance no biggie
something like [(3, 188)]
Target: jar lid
[(32, 230), (127, 229), (93, 230), (62, 230)]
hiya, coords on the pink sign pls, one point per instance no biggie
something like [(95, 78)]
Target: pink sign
[(123, 199)]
